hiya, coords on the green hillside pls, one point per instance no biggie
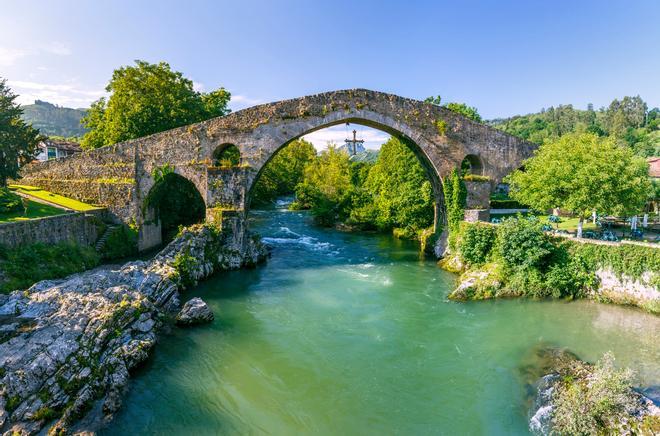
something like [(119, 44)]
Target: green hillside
[(54, 120), (629, 120)]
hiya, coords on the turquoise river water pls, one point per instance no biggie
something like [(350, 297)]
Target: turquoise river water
[(350, 334)]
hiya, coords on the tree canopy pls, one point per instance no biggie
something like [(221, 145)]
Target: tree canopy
[(284, 172), (145, 99), (18, 141), (399, 191), (628, 121), (582, 173)]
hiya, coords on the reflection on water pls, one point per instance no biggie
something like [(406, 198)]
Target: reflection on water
[(344, 333)]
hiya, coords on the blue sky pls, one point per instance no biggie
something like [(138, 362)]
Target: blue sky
[(505, 58)]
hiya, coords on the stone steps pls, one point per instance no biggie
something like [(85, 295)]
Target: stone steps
[(104, 237)]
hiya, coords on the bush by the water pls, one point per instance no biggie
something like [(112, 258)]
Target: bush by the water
[(26, 265), (9, 201), (522, 244), (531, 263), (477, 243), (597, 401)]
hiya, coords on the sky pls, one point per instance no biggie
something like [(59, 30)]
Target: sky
[(503, 57)]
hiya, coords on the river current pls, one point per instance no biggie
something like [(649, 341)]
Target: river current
[(349, 334)]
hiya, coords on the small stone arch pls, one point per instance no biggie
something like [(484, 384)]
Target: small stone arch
[(174, 200), (226, 155), (472, 164)]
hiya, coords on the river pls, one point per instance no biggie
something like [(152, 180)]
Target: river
[(342, 334)]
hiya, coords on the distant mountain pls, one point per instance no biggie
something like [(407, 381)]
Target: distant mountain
[(54, 120), (358, 149), (370, 156)]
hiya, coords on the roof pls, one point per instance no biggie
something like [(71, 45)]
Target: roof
[(654, 166), (61, 145)]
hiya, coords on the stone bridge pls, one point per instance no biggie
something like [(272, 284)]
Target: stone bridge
[(120, 176)]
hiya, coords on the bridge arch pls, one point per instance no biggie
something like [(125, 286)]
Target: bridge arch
[(226, 155), (366, 118), (472, 164), (172, 201)]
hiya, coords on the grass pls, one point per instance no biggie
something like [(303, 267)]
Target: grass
[(568, 224), (56, 199), (34, 210), (25, 265)]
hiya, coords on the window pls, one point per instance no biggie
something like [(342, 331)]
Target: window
[(52, 153)]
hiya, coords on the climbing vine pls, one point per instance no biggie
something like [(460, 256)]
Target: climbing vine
[(455, 196)]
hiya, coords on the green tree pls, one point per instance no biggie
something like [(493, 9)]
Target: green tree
[(145, 99), (327, 187), (400, 193), (18, 141), (582, 173), (284, 172)]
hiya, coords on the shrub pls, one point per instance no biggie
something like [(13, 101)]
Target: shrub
[(9, 201), (597, 404), (521, 243), (506, 204), (570, 274), (475, 178), (25, 265), (528, 282), (477, 241)]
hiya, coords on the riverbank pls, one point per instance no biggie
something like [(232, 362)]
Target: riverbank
[(67, 346), (517, 259)]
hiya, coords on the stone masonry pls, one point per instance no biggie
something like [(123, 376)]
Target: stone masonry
[(119, 177)]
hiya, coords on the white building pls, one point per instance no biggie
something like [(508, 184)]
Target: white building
[(55, 148)]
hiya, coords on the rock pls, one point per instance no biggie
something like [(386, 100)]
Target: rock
[(195, 311), (66, 346), (477, 285), (633, 413)]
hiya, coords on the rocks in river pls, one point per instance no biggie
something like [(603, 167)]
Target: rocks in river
[(478, 285), (575, 397), (67, 346), (195, 311)]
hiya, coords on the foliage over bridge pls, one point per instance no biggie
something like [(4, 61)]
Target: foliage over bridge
[(121, 176)]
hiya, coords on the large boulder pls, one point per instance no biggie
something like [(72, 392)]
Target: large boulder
[(195, 311)]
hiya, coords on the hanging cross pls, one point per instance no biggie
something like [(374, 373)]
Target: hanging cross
[(354, 142)]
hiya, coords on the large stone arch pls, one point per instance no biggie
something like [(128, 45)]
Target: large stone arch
[(377, 121)]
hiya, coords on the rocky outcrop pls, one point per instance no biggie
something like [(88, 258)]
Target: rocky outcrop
[(195, 311), (67, 346), (575, 397)]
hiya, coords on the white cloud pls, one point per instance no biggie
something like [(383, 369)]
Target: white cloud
[(338, 134), (198, 86), (9, 56), (64, 94)]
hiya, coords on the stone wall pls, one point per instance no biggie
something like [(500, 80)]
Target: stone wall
[(474, 215), (80, 228), (478, 194)]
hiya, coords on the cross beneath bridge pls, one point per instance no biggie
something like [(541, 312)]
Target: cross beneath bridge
[(354, 142)]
